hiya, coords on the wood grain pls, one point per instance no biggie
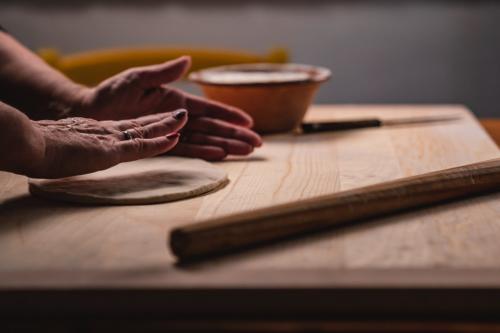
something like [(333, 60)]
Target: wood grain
[(64, 261), (38, 235), (224, 234)]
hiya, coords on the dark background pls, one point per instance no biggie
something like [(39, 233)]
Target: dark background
[(379, 51)]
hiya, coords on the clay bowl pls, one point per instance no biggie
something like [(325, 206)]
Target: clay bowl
[(275, 95)]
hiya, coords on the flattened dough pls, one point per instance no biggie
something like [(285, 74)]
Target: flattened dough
[(147, 181)]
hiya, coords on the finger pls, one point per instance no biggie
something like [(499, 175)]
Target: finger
[(123, 125), (216, 127), (230, 146), (201, 107), (209, 153), (165, 126), (156, 75), (205, 108), (135, 149)]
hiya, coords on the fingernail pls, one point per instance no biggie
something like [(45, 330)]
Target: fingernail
[(178, 115), (173, 136)]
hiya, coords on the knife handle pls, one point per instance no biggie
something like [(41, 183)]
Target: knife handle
[(339, 125)]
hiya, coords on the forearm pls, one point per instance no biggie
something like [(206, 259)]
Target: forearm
[(21, 146), (32, 86)]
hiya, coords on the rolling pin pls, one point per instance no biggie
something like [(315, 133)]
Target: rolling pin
[(227, 233)]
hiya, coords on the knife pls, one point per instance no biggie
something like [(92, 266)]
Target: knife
[(341, 125)]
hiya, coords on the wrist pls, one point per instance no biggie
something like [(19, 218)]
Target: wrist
[(22, 145)]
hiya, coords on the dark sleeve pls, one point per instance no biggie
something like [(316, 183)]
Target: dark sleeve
[(2, 29)]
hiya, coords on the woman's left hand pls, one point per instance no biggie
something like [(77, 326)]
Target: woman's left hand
[(214, 130)]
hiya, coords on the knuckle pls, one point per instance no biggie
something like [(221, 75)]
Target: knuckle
[(133, 74), (138, 144), (141, 133), (138, 132), (134, 123)]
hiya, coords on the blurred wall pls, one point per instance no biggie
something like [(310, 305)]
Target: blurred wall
[(380, 51)]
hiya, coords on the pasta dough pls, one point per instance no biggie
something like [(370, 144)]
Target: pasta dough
[(147, 181)]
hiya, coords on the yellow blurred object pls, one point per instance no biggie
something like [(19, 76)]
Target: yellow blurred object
[(92, 67)]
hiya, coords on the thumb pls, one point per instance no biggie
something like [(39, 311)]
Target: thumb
[(156, 75)]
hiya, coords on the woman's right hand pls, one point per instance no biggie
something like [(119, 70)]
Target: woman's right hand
[(73, 146)]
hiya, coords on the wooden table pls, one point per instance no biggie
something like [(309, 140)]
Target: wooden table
[(443, 263), (492, 127)]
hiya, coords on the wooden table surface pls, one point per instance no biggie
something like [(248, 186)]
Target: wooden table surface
[(414, 264)]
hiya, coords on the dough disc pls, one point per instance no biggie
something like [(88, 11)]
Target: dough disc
[(147, 181)]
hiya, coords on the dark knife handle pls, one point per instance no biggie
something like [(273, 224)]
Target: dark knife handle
[(339, 125)]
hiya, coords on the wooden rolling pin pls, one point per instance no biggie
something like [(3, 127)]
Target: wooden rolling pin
[(231, 232)]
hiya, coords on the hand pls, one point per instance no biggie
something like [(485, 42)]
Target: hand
[(75, 146), (214, 130)]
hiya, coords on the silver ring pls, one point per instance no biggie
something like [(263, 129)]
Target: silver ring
[(127, 135)]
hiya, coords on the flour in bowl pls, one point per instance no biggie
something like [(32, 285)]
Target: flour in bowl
[(249, 77)]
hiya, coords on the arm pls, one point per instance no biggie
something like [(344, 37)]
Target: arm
[(55, 149), (29, 84), (20, 144), (215, 130)]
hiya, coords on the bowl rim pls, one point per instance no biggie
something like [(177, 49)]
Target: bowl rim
[(318, 74)]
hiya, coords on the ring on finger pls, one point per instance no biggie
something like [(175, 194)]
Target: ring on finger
[(127, 135)]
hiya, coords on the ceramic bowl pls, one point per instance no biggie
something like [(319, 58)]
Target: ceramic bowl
[(276, 96)]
